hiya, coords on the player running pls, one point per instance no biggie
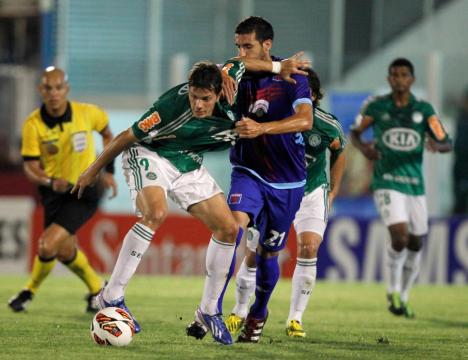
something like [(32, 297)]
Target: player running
[(400, 122)]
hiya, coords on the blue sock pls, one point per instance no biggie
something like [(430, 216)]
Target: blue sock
[(268, 272), (231, 271)]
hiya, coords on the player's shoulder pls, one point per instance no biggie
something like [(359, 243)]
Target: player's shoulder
[(326, 121), (421, 103), (84, 106), (33, 117)]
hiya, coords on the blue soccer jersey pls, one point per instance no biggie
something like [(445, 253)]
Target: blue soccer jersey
[(277, 160)]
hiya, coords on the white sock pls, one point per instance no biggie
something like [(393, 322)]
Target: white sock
[(303, 282), (395, 261), (245, 287), (133, 247), (218, 260), (410, 273)]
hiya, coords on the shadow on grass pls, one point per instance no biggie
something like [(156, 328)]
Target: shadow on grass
[(441, 322)]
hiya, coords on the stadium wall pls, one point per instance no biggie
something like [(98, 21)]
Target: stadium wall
[(353, 248)]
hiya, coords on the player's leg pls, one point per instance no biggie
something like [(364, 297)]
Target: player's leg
[(49, 244), (395, 215), (418, 229), (276, 219), (76, 260), (309, 223), (245, 283), (215, 213)]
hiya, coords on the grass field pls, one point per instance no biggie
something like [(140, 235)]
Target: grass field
[(344, 321)]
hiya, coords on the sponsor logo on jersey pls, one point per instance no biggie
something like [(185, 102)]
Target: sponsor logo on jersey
[(235, 199), (227, 67), (402, 139), (151, 176), (226, 136), (149, 122), (417, 117), (436, 127), (315, 140), (260, 107), (183, 90)]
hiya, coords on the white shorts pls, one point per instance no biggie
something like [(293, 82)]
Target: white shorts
[(396, 207), (143, 168), (313, 213)]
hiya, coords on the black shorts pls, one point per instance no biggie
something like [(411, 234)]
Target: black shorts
[(66, 209)]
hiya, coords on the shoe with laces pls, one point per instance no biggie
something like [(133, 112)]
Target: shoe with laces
[(294, 329), (216, 325), (196, 328), (120, 303), (20, 301), (234, 323), (252, 329)]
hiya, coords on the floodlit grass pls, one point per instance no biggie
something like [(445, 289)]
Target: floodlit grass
[(343, 321)]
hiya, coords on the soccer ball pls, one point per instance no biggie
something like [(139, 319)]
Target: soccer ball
[(112, 326)]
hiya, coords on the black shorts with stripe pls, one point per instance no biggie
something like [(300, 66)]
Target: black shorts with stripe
[(67, 210)]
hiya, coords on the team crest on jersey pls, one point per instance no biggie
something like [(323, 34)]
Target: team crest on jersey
[(235, 199), (417, 117), (260, 107), (401, 139), (151, 175), (149, 122), (386, 117), (315, 140)]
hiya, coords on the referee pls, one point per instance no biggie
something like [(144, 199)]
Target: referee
[(57, 145)]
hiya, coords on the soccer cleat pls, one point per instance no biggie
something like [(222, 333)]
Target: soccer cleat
[(408, 310), (294, 329), (234, 323), (252, 329), (394, 303), (91, 300), (196, 328), (215, 324), (120, 303), (20, 301)]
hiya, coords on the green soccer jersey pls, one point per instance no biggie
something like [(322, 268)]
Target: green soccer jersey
[(399, 134), (170, 129), (325, 131)]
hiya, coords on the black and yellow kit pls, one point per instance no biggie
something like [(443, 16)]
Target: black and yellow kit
[(65, 148)]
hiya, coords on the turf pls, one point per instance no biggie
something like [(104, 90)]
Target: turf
[(344, 321)]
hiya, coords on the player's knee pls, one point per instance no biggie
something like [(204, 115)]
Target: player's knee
[(47, 248), (399, 241), (308, 249), (153, 218), (227, 232)]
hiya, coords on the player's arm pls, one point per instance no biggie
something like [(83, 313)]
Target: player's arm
[(337, 167), (118, 144), (108, 177), (300, 121), (438, 139), (362, 123)]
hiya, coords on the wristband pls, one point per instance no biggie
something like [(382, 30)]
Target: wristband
[(276, 67)]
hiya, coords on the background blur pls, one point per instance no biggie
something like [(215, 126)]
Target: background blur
[(121, 55)]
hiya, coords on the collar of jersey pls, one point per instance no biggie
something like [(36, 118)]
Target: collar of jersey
[(51, 121)]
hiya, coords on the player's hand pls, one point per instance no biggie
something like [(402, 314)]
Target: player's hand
[(109, 183), (248, 128), (86, 179), (60, 185), (229, 88), (294, 65), (431, 145), (370, 152)]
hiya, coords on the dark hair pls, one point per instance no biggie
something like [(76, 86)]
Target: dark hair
[(314, 84), (401, 62), (206, 75), (262, 28)]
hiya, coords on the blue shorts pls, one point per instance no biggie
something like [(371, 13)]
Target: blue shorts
[(270, 210)]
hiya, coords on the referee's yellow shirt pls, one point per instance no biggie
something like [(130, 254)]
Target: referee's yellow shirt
[(67, 149)]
